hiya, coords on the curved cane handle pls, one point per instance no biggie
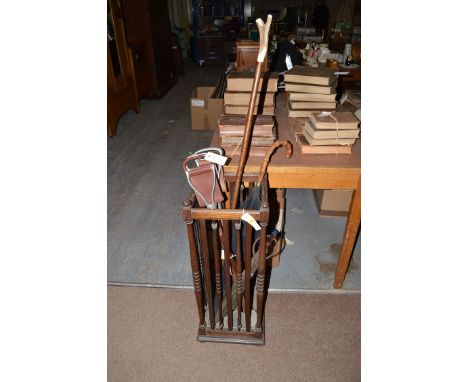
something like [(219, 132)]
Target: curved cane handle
[(263, 29), (269, 153)]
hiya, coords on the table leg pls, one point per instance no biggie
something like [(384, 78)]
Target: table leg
[(349, 237)]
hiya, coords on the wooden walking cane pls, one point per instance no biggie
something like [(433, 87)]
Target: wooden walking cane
[(263, 29)]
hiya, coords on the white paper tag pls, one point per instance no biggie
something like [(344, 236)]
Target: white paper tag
[(198, 102), (325, 114), (249, 219), (341, 73), (357, 113), (222, 254), (289, 63), (343, 99), (215, 158)]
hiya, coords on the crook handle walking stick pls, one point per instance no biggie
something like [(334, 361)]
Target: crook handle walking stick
[(269, 153), (263, 29)]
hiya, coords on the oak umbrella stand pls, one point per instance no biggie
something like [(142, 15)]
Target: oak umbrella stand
[(228, 274)]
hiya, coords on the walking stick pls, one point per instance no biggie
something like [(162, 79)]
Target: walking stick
[(263, 29)]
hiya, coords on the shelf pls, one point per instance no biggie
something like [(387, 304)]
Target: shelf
[(207, 17)]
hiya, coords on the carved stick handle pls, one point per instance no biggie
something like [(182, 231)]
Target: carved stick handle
[(263, 29)]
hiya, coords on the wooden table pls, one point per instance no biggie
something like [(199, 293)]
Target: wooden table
[(311, 172)]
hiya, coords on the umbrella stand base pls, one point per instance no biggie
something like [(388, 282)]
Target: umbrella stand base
[(233, 337)]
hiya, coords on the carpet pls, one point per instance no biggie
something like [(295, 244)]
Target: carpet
[(309, 337)]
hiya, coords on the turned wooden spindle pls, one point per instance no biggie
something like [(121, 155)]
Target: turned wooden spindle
[(217, 269), (260, 285), (194, 264), (247, 257), (238, 226), (226, 268), (207, 268)]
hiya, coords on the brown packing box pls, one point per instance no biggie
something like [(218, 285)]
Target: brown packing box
[(205, 110), (333, 202)]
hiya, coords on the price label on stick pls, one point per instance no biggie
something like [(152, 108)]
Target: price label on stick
[(215, 158), (289, 64), (249, 219)]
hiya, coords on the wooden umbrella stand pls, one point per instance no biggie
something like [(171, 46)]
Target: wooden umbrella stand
[(210, 242), (229, 280), (230, 308)]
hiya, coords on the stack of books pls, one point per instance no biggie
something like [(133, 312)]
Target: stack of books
[(324, 134), (239, 87), (231, 132), (310, 89)]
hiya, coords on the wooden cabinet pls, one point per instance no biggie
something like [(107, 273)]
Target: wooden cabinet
[(247, 53), (210, 47), (149, 34), (121, 86)]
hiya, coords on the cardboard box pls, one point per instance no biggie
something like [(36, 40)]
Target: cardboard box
[(333, 202), (205, 110)]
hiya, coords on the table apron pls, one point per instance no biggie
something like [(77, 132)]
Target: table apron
[(318, 181), (337, 180)]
